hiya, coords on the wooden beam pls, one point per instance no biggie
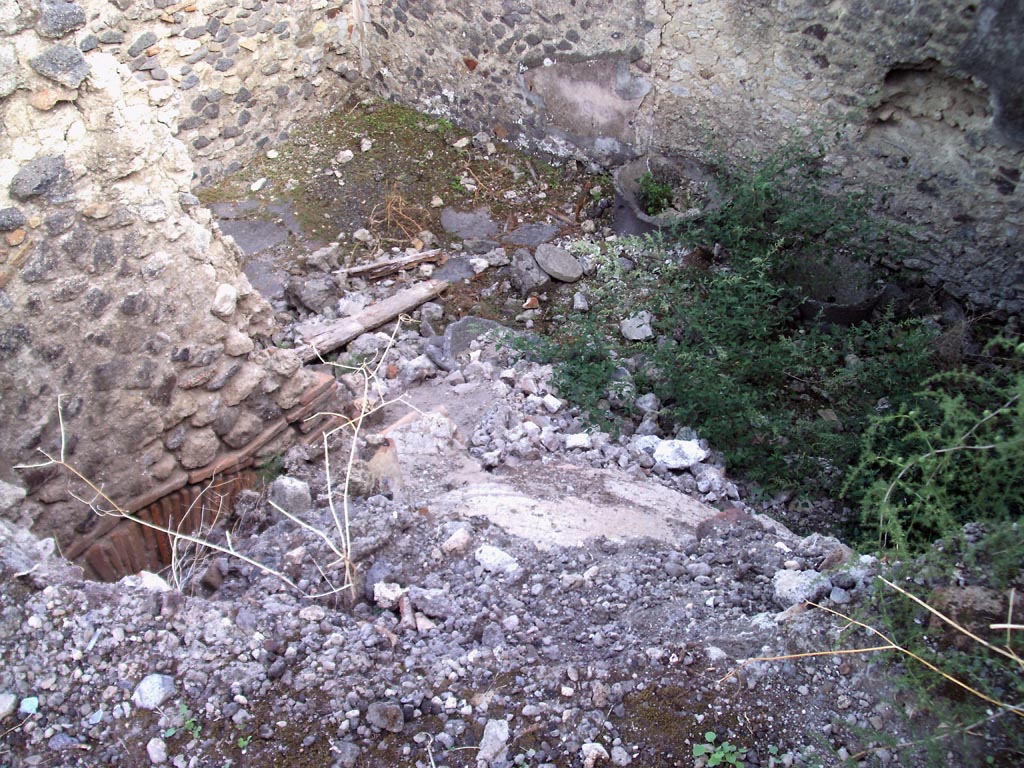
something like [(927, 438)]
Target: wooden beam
[(319, 340), (380, 269)]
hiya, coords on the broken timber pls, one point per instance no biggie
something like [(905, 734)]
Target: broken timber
[(380, 269), (320, 339)]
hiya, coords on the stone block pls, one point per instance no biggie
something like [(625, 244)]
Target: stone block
[(62, 64), (291, 494)]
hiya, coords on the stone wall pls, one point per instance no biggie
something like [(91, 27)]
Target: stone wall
[(116, 291), (926, 97)]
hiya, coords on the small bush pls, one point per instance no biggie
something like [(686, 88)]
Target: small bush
[(655, 196), (939, 483), (784, 400), (949, 455)]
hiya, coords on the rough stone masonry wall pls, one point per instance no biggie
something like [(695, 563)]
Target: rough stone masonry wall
[(115, 289), (928, 97)]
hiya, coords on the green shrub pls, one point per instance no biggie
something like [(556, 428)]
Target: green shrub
[(951, 454), (655, 196), (784, 400), (789, 204)]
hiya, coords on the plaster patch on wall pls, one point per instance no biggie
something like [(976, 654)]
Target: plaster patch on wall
[(592, 104)]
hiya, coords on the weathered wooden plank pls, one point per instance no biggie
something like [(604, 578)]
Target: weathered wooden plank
[(380, 269), (323, 339)]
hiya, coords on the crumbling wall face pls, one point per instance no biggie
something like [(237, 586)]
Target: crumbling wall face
[(909, 88), (227, 77), (499, 66), (925, 96), (116, 292)]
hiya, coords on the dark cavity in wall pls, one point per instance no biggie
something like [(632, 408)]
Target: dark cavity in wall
[(994, 53)]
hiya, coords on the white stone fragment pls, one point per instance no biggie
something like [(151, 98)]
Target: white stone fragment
[(578, 440), (551, 403), (225, 300), (313, 613), (592, 752), (679, 454), (494, 742), (153, 691), (156, 748), (495, 560), (637, 327), (387, 593), (458, 542)]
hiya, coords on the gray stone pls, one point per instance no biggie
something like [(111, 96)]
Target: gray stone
[(558, 263), (436, 603), (839, 596), (795, 587), (532, 234), (8, 70), (580, 303), (526, 272), (11, 219), (346, 753), (469, 224), (156, 749), (494, 742), (45, 175), (315, 292), (142, 42), (495, 560), (61, 64), (153, 691), (8, 702), (679, 454), (637, 327), (10, 497), (648, 403), (12, 339), (386, 716), (460, 335), (57, 19), (291, 494), (199, 448)]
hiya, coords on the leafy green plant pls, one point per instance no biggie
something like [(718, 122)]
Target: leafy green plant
[(949, 455), (270, 468), (785, 400), (655, 196), (244, 741), (190, 725), (725, 753)]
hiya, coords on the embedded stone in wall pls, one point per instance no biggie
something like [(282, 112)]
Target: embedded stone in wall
[(8, 70), (46, 176), (62, 64), (58, 18)]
